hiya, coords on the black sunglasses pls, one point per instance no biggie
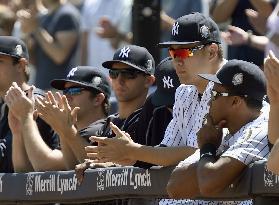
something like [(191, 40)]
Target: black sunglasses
[(125, 73), (73, 90)]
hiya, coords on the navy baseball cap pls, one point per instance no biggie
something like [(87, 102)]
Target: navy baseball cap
[(137, 57), (242, 77), (14, 47), (192, 30), (86, 76), (166, 81)]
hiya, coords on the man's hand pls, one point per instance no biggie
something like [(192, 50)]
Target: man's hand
[(235, 36), (107, 29), (257, 20), (57, 113), (271, 71), (118, 149), (29, 21), (210, 133), (20, 105)]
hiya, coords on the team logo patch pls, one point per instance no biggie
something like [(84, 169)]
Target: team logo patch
[(149, 65), (124, 53), (96, 81), (18, 50), (237, 79), (204, 30), (72, 72), (174, 30)]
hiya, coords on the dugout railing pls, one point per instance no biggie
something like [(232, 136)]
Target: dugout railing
[(125, 182)]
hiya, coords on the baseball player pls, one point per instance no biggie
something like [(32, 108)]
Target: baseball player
[(237, 104)]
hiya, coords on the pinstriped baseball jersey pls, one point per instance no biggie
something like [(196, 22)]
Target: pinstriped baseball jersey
[(188, 113), (247, 145)]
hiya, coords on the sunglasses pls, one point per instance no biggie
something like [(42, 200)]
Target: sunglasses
[(215, 94), (184, 52), (73, 91), (125, 73)]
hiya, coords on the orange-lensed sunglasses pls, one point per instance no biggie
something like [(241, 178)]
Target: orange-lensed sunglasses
[(183, 52)]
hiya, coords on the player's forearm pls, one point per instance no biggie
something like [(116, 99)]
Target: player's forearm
[(186, 177), (20, 159), (272, 163), (77, 145), (214, 176), (163, 156), (40, 155)]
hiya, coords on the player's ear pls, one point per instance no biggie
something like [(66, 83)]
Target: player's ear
[(149, 80)]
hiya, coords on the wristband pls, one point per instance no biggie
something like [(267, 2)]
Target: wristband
[(208, 150), (249, 40)]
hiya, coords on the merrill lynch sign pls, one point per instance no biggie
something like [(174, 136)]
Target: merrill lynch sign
[(127, 177), (51, 183)]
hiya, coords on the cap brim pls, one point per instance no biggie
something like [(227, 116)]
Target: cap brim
[(210, 77), (108, 64), (6, 54), (160, 99), (59, 84), (169, 43)]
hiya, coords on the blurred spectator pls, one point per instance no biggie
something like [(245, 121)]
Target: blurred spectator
[(237, 104), (14, 153), (85, 90), (99, 20), (235, 10), (7, 20), (55, 36), (270, 41)]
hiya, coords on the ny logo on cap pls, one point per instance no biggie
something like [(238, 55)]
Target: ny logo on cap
[(167, 82), (124, 52), (174, 30), (237, 79), (72, 72)]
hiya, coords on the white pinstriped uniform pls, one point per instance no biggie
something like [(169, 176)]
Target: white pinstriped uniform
[(248, 145), (188, 114)]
